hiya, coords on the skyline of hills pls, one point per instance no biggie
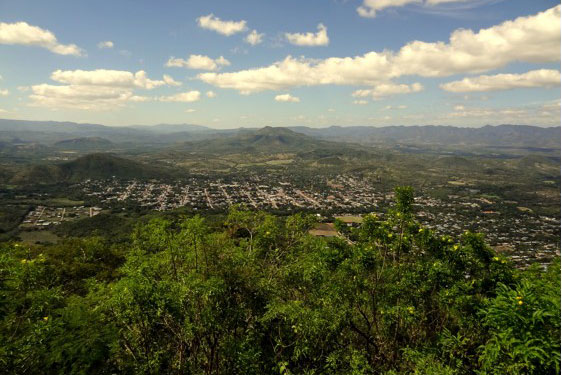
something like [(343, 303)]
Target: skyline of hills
[(50, 133)]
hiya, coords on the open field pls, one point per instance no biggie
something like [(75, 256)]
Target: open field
[(38, 236)]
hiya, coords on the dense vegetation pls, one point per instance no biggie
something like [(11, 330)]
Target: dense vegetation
[(91, 166), (255, 294)]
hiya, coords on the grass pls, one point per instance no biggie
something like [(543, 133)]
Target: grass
[(279, 162), (324, 230), (350, 219), (38, 236)]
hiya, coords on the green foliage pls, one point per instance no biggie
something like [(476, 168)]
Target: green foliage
[(258, 294), (404, 199), (524, 326)]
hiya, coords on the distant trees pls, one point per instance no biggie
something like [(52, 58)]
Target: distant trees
[(259, 295)]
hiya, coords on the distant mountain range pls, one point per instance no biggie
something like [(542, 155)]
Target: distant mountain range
[(319, 148), (50, 132), (187, 135), (501, 135), (173, 128)]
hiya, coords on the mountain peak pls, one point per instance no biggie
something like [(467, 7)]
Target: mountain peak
[(269, 130)]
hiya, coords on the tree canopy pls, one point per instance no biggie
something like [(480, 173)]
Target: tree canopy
[(257, 294)]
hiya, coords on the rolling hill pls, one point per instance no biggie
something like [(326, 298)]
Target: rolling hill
[(267, 140), (84, 143), (92, 166)]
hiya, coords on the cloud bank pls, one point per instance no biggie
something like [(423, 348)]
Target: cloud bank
[(532, 39), (545, 78), (99, 89)]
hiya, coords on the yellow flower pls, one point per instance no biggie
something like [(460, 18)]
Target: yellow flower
[(421, 230), (520, 302), (519, 297), (24, 261), (45, 318), (456, 247), (496, 259)]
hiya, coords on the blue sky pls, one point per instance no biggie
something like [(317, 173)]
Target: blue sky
[(315, 63)]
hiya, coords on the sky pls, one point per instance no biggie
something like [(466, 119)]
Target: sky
[(253, 63)]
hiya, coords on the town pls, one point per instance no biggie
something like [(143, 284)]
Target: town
[(518, 231), (508, 227), (45, 216)]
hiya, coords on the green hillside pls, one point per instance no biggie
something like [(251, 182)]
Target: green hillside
[(92, 166), (267, 140), (85, 143)]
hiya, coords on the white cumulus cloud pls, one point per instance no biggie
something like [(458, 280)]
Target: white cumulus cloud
[(388, 89), (254, 38), (287, 98), (105, 77), (228, 28), (394, 107), (437, 2), (25, 34), (185, 97), (370, 8), (199, 62), (105, 44), (536, 78), (81, 97), (309, 39), (170, 81), (211, 94), (99, 89)]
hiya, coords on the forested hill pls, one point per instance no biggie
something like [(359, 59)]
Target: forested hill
[(85, 143), (266, 140), (253, 293), (92, 166)]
